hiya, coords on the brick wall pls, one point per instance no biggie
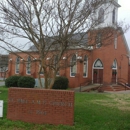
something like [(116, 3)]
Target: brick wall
[(41, 106), (129, 75), (107, 54)]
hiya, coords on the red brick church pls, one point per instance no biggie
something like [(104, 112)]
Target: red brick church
[(99, 63)]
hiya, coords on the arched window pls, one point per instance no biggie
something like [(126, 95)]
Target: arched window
[(41, 70), (56, 64), (115, 41), (73, 67), (85, 66), (113, 16), (114, 65), (101, 16), (114, 71), (28, 65), (98, 64), (17, 65)]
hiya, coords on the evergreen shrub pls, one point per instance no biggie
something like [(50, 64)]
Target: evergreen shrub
[(61, 83), (26, 82), (12, 81)]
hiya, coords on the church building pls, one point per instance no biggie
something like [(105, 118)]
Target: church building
[(98, 61)]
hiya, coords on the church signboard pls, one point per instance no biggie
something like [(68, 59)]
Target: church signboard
[(41, 106), (1, 108)]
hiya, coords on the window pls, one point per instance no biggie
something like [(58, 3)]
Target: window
[(115, 41), (113, 16), (28, 66), (73, 66), (85, 66), (98, 64), (41, 71), (56, 64), (98, 41), (101, 16), (114, 65), (17, 65)]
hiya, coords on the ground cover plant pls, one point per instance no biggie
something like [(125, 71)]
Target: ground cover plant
[(93, 111)]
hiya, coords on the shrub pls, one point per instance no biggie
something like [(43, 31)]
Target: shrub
[(61, 83), (26, 82), (12, 81)]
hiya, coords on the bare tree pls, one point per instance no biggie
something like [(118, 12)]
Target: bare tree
[(50, 26)]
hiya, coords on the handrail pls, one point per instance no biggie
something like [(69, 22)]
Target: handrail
[(122, 79), (84, 83), (88, 82), (123, 82)]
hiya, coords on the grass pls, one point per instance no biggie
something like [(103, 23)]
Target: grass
[(93, 111)]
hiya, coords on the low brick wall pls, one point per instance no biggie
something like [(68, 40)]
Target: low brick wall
[(41, 106)]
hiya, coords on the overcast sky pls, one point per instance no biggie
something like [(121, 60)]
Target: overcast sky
[(124, 14)]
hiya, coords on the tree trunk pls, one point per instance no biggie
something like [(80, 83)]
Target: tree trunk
[(39, 79), (52, 81)]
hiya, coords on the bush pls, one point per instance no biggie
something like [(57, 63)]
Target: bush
[(12, 81), (26, 82), (61, 83)]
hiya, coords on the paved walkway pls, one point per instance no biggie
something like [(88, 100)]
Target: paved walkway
[(83, 88), (2, 83)]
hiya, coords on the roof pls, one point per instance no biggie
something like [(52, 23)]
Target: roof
[(77, 39)]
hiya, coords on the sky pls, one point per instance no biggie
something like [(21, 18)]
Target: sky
[(124, 15)]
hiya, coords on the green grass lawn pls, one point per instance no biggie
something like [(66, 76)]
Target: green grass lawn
[(93, 111)]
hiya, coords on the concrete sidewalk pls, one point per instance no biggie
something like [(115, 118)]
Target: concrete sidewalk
[(2, 83), (85, 88)]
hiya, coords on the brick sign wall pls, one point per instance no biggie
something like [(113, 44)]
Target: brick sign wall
[(41, 106)]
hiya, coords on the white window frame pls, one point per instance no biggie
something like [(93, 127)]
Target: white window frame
[(85, 66), (96, 62), (55, 64), (74, 64), (115, 42), (17, 65), (42, 71), (114, 65), (28, 66)]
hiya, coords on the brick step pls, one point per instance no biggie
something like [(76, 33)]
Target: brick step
[(106, 88), (119, 88)]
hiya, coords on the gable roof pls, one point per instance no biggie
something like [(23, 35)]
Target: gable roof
[(77, 39)]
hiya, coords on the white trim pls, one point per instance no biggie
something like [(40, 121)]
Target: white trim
[(96, 67), (86, 69), (75, 72), (73, 65), (29, 66), (42, 69), (115, 69), (16, 63), (1, 108)]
